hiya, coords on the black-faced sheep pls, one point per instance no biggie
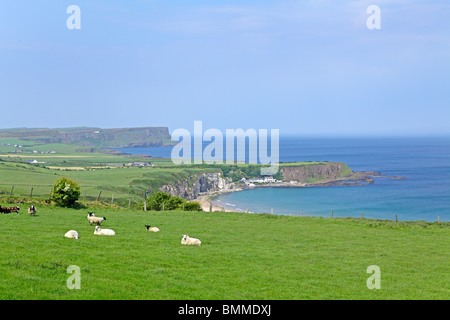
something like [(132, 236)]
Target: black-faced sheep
[(95, 220), (104, 232), (32, 211), (190, 241), (152, 229)]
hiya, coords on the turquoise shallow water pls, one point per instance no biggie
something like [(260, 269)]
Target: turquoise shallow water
[(425, 195)]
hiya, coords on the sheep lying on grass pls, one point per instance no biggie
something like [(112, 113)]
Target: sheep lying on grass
[(152, 229), (72, 234), (190, 241), (104, 232), (32, 211)]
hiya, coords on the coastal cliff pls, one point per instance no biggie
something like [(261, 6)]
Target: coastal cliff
[(294, 175), (199, 184), (309, 173)]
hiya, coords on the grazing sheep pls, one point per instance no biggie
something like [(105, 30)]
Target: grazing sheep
[(32, 211), (72, 234), (190, 241), (152, 229), (15, 209), (96, 220), (104, 232)]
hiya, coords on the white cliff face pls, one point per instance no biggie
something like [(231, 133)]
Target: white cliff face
[(203, 183)]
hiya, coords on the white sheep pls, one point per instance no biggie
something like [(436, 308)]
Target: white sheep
[(90, 215), (32, 211), (104, 232), (72, 234), (96, 220), (152, 229), (190, 241)]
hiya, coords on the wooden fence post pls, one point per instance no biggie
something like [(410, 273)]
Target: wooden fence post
[(271, 210), (99, 194), (112, 199), (129, 203), (210, 207), (12, 190), (31, 192), (145, 205), (396, 218), (332, 213), (362, 215), (439, 221), (183, 205)]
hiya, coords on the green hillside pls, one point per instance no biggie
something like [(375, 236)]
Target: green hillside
[(242, 256), (91, 137)]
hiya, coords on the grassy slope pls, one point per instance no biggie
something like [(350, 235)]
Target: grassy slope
[(85, 136), (66, 155), (118, 181), (123, 182), (243, 256)]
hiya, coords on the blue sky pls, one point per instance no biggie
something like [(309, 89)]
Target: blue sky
[(306, 67)]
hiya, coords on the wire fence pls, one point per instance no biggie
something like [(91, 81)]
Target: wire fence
[(87, 194), (137, 199)]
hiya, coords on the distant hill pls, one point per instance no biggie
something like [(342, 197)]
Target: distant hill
[(94, 137)]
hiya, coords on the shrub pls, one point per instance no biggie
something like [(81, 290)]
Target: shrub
[(65, 192), (155, 202), (192, 206)]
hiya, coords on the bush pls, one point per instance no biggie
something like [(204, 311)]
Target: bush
[(65, 192), (155, 202), (192, 206)]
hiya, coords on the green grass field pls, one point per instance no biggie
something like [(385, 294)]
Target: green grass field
[(243, 256), (123, 183)]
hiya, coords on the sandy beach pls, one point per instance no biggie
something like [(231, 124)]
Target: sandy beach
[(205, 203)]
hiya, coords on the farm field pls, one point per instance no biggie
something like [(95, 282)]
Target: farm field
[(124, 183), (95, 172), (66, 155), (242, 256)]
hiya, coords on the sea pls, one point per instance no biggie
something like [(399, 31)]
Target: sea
[(424, 195)]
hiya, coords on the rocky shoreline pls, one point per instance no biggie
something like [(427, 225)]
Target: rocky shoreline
[(359, 178), (204, 187)]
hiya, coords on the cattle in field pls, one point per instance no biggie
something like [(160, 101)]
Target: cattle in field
[(4, 210), (15, 209)]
